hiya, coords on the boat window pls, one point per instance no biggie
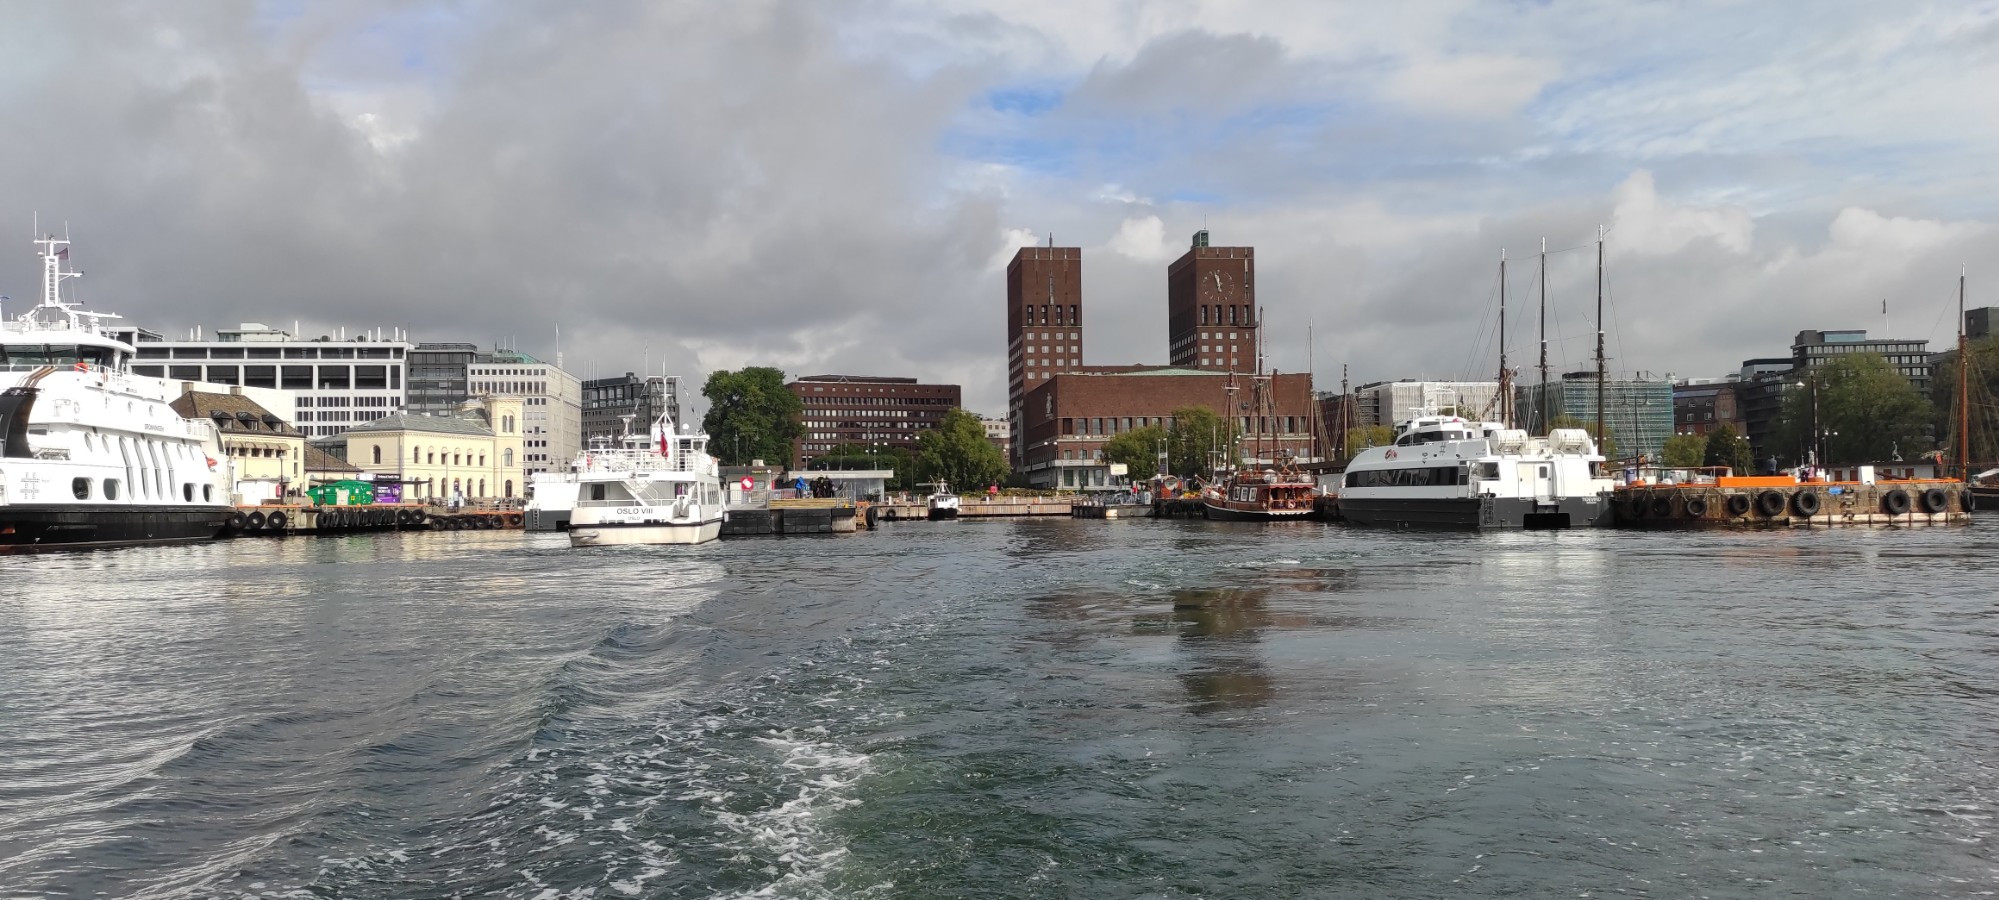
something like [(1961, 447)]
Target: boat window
[(1486, 471), (596, 492), (187, 491), (207, 493), (80, 487), (110, 488)]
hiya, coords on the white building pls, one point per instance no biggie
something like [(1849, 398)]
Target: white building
[(1391, 403), (553, 415), (335, 382)]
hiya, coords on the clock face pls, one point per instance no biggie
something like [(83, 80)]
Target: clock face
[(1224, 284)]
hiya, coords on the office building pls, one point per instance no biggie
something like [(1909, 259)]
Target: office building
[(875, 413), (1704, 404), (609, 403), (335, 382), (1392, 403), (1812, 349), (474, 453), (440, 377), (1637, 413), (1000, 433), (1044, 321), (1211, 314), (552, 420)]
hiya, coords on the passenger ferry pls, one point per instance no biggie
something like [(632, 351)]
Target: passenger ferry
[(91, 455), (1449, 472), (661, 488)]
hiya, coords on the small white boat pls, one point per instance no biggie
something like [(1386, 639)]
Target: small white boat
[(661, 488), (943, 503)]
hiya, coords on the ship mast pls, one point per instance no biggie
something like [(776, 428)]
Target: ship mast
[(1541, 401), (1599, 339), (1963, 387), (1505, 382)]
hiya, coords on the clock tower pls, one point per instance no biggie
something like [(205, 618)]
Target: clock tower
[(1211, 308)]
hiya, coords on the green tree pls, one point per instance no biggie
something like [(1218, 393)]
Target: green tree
[(1363, 437), (1606, 443), (751, 416), (1200, 438), (1726, 448), (1856, 409), (1684, 450), (957, 452), (1138, 449)]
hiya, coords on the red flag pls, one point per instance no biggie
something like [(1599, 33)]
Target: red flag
[(662, 443)]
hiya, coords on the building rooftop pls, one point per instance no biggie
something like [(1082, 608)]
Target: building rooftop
[(231, 413), (433, 424), (317, 460)]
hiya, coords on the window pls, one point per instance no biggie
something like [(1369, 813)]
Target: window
[(110, 488), (187, 491), (378, 454), (80, 487), (507, 459)]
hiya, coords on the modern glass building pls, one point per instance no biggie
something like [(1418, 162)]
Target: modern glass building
[(1638, 414)]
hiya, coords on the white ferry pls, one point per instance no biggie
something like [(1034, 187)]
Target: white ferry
[(91, 455), (1448, 472), (661, 488)]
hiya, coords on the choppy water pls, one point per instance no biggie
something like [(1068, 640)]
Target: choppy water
[(1024, 709)]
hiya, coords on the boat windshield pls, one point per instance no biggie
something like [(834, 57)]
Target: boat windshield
[(35, 355)]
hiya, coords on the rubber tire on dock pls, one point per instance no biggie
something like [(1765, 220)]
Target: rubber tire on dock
[(1770, 504), (255, 522), (1662, 506), (1737, 505), (874, 515), (1935, 501), (514, 520), (1895, 502), (276, 520), (1695, 507), (1805, 503), (1964, 496), (238, 521)]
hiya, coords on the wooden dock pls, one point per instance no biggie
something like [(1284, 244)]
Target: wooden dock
[(1782, 502), (979, 508)]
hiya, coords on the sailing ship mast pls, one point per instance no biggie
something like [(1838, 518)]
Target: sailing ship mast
[(1963, 387), (1541, 402), (1505, 376), (1599, 339)]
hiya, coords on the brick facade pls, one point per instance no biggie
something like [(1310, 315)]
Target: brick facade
[(866, 411), (1072, 415), (1211, 316), (1044, 322)]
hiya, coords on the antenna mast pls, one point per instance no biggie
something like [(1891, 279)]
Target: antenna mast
[(1599, 339)]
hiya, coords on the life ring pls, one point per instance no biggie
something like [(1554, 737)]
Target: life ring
[(1736, 505), (255, 522), (1805, 503), (1662, 506), (1895, 502), (1695, 507), (1770, 504), (1935, 500), (514, 520), (275, 521), (237, 521)]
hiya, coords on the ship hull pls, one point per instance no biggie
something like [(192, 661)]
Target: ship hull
[(1475, 513), (617, 534), (1219, 513), (943, 514), (32, 528)]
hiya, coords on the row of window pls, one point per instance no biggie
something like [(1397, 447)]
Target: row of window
[(1238, 313), (1113, 425), (292, 378), (112, 488), (419, 457), (1069, 315), (1433, 476), (148, 352)]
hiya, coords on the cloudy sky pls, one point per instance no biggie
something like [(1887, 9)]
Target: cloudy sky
[(835, 186)]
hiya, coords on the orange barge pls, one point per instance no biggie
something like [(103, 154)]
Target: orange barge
[(1714, 498)]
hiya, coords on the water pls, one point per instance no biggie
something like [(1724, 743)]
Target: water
[(1022, 709)]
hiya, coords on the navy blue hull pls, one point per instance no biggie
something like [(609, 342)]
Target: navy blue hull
[(27, 528)]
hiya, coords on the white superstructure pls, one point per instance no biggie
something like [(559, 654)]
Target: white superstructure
[(91, 455), (658, 488), (1451, 472)]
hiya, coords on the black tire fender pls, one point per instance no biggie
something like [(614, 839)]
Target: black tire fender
[(1770, 504), (1935, 500), (1695, 507), (1736, 505), (1805, 503), (1895, 502)]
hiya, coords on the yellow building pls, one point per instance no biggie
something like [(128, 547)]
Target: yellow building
[(266, 455), (476, 454)]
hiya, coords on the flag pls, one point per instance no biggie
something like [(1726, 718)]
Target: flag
[(63, 253)]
